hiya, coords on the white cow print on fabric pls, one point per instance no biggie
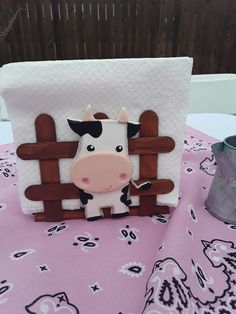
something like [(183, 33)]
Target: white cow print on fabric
[(166, 289), (209, 288), (50, 304), (213, 277), (208, 165), (221, 254)]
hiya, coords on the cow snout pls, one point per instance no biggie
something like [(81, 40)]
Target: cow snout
[(101, 172)]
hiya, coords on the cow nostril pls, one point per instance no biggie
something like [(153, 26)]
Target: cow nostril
[(85, 181), (123, 176)]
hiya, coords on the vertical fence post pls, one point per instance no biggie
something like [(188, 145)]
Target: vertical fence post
[(148, 163), (49, 169)]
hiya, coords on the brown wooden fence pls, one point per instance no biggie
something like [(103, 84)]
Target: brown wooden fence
[(48, 151), (71, 29)]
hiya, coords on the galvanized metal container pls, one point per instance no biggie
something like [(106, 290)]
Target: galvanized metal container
[(221, 201)]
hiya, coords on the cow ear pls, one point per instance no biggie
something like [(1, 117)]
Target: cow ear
[(94, 128), (132, 129), (88, 114), (123, 115)]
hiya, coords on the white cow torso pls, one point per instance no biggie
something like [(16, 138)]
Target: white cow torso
[(112, 199)]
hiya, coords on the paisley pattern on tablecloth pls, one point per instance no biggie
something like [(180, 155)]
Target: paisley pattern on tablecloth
[(184, 262)]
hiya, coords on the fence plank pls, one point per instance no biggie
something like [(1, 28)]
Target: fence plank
[(138, 28), (78, 214), (118, 28), (34, 30), (45, 29), (102, 29), (88, 32), (131, 28), (148, 163), (58, 191), (52, 150), (80, 30), (124, 33), (25, 30), (49, 169), (5, 49), (111, 29), (71, 33), (154, 27), (14, 36), (67, 214)]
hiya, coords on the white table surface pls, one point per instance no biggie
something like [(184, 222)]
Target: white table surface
[(214, 124), (217, 125)]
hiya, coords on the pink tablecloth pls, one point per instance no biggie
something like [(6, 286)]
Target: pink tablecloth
[(182, 263)]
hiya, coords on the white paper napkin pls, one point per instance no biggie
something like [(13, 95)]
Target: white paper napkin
[(64, 88)]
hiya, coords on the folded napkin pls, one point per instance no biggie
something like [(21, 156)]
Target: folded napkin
[(63, 88)]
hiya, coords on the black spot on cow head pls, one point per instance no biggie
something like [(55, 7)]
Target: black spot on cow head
[(132, 129), (93, 128)]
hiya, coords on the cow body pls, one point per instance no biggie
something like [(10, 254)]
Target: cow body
[(118, 200), (102, 168)]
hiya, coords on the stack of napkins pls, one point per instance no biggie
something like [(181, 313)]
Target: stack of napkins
[(64, 88)]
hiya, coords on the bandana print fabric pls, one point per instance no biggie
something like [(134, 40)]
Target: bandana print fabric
[(184, 262)]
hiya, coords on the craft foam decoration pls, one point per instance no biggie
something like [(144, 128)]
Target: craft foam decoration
[(102, 168), (104, 173), (63, 89), (88, 114), (123, 115)]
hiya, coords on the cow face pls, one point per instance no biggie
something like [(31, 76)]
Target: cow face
[(102, 163)]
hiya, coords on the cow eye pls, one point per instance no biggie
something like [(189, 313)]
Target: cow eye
[(119, 148), (90, 148)]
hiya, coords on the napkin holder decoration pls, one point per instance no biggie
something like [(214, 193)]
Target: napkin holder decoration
[(221, 200), (48, 151)]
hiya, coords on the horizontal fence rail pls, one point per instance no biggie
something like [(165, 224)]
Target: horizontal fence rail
[(49, 150), (79, 29), (55, 191)]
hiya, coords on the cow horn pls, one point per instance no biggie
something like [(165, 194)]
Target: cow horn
[(123, 115), (88, 114)]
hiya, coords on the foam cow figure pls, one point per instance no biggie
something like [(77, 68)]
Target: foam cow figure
[(102, 168)]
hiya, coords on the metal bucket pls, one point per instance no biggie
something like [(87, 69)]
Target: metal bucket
[(221, 200)]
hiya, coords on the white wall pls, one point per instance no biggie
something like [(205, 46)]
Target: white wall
[(213, 93), (3, 111)]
